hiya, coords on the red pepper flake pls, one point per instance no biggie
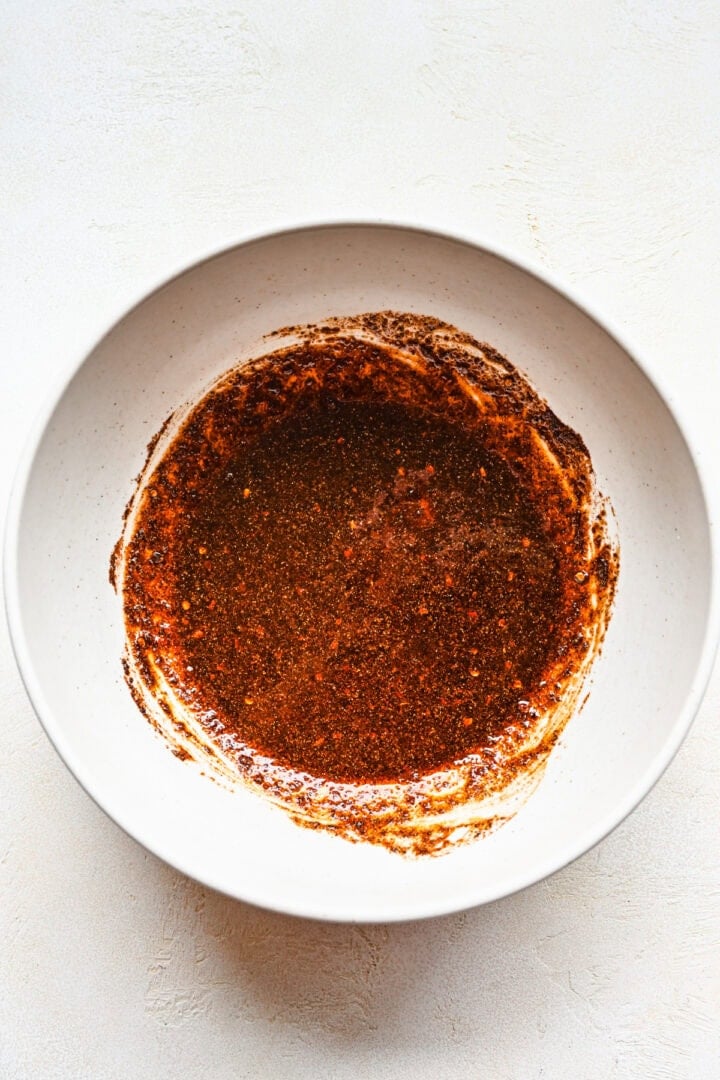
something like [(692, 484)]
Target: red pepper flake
[(430, 470), (448, 580), (348, 553), (246, 493), (197, 634), (422, 610), (473, 616), (525, 542), (426, 512), (468, 721), (502, 623)]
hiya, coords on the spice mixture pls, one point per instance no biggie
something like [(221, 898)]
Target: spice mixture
[(367, 574)]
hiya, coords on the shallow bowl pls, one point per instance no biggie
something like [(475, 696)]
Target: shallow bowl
[(75, 480)]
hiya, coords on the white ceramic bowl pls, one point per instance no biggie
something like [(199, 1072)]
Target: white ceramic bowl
[(66, 515)]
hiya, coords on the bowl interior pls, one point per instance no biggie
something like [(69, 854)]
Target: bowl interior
[(67, 623)]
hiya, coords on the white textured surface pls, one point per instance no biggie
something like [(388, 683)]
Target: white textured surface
[(136, 135)]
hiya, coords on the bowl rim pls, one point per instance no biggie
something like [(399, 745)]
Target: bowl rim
[(360, 912)]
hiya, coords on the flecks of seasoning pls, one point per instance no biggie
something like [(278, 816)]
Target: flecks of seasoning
[(419, 705), (426, 512)]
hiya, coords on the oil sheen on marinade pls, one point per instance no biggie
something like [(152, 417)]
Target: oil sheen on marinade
[(364, 560)]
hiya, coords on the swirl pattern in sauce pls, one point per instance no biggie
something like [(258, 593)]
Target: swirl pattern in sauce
[(367, 574)]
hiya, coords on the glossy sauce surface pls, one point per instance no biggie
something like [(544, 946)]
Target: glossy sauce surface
[(355, 565)]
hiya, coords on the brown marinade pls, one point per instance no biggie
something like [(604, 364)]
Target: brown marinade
[(367, 555)]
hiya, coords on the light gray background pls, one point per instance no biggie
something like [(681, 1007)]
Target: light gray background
[(137, 135)]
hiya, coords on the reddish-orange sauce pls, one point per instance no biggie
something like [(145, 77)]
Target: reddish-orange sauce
[(364, 569)]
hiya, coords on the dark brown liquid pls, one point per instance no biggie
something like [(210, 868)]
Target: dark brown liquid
[(351, 578)]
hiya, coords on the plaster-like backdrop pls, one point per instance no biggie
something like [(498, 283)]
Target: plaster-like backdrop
[(139, 134)]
